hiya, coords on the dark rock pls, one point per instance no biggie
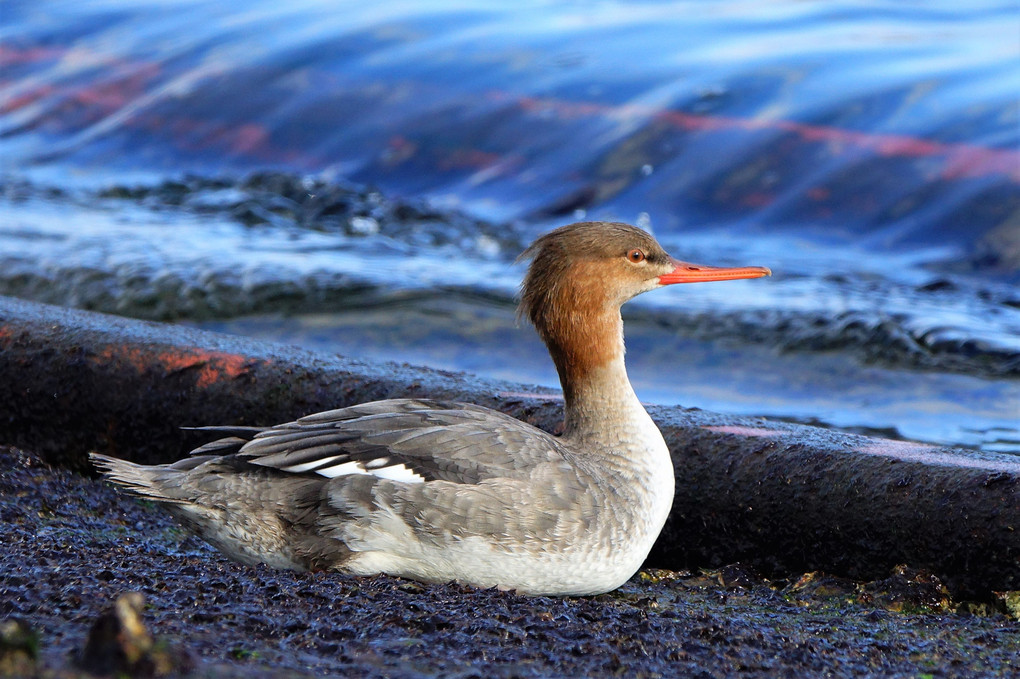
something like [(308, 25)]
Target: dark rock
[(119, 644), (19, 648), (777, 497), (908, 590)]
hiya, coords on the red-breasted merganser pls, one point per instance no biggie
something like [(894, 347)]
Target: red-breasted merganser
[(440, 491)]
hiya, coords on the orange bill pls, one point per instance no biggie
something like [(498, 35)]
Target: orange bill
[(685, 272)]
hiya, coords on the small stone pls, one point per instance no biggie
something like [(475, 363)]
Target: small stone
[(364, 226), (119, 644), (1010, 601), (488, 246), (19, 648)]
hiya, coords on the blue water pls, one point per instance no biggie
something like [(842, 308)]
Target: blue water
[(515, 108), (868, 152)]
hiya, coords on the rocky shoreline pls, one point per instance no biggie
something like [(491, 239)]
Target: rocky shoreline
[(782, 498), (72, 546)]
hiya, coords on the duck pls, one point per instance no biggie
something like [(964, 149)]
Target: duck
[(440, 491)]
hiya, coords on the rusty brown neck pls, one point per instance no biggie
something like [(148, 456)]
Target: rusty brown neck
[(589, 357)]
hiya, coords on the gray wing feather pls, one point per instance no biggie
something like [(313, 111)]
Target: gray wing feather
[(362, 479), (437, 440)]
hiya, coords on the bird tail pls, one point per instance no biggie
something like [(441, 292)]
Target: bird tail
[(149, 482)]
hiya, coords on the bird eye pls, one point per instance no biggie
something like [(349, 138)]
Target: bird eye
[(636, 256)]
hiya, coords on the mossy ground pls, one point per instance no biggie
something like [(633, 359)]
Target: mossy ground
[(69, 546)]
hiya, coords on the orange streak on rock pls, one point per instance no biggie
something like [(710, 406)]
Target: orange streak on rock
[(911, 451), (957, 160), (249, 138), (10, 56), (525, 394), (212, 366), (744, 431), (24, 98)]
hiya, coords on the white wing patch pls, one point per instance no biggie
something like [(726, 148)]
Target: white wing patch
[(298, 468), (380, 468)]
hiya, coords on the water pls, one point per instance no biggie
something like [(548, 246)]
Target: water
[(866, 152)]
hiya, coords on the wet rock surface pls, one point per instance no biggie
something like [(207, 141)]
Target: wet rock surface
[(783, 498), (70, 547)]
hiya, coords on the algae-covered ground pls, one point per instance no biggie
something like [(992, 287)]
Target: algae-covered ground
[(70, 546)]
